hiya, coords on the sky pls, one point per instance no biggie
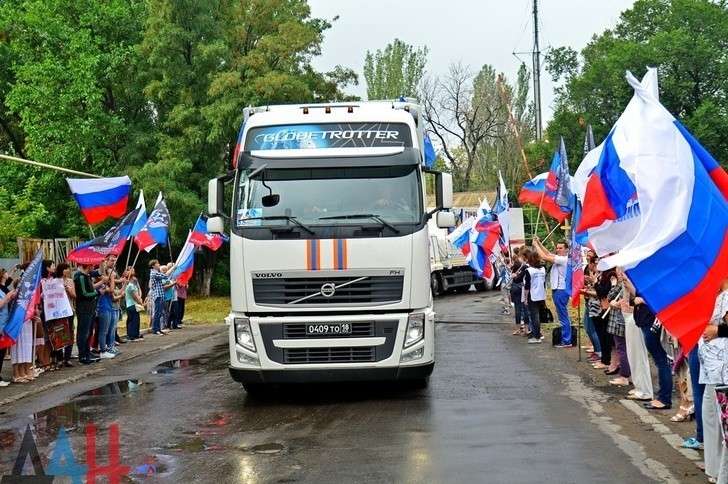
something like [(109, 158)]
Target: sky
[(475, 32)]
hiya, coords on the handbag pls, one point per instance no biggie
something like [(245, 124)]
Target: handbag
[(59, 334)]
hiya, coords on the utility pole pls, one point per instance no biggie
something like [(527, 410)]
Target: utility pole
[(537, 72)]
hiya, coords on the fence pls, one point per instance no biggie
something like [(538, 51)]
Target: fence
[(53, 249)]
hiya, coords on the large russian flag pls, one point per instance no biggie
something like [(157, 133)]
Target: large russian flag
[(534, 192), (652, 173), (25, 303), (101, 198)]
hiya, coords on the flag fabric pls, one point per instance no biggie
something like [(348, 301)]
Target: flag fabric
[(156, 230), (429, 155), (534, 192), (484, 208), (101, 198), (24, 306), (111, 243), (501, 210), (654, 189), (185, 263), (575, 264), (589, 143), (200, 236), (141, 219), (485, 236), (558, 184)]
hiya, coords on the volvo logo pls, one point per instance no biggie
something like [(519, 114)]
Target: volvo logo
[(328, 289)]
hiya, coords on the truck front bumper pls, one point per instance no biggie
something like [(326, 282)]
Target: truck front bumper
[(330, 375)]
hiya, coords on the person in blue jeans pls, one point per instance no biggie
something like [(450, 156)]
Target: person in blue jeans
[(557, 279), (698, 391), (158, 282)]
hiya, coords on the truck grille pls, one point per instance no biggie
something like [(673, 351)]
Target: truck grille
[(359, 354), (287, 290), (358, 329)]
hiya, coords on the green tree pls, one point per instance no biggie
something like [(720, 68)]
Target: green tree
[(394, 71), (687, 40), (71, 89)]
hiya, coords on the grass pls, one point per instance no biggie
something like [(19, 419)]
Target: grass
[(213, 309), (198, 311)]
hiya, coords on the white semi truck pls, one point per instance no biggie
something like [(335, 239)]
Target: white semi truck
[(329, 244)]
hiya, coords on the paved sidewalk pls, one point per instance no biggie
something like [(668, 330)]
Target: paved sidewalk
[(151, 344)]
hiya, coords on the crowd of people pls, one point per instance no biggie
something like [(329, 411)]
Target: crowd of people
[(84, 306), (624, 334)]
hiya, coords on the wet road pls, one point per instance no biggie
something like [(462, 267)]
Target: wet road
[(492, 413)]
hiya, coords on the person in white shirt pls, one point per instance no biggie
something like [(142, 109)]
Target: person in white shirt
[(557, 279), (534, 295)]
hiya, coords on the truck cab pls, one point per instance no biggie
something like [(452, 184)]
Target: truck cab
[(329, 244)]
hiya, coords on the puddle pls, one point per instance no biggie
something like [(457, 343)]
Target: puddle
[(154, 466), (71, 415), (174, 365), (271, 448)]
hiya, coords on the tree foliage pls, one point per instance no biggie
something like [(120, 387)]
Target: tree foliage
[(394, 71), (687, 40), (154, 89), (474, 119)]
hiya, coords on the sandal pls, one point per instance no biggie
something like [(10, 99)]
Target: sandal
[(652, 406), (684, 414)]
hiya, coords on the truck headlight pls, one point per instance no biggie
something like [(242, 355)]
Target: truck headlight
[(243, 334), (415, 331)]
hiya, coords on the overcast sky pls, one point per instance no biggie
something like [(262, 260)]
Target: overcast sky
[(475, 32)]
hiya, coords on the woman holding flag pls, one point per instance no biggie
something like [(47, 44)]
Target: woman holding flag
[(5, 299)]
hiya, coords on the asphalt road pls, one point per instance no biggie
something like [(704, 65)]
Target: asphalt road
[(495, 411)]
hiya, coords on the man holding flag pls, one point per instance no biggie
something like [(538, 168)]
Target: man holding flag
[(557, 280)]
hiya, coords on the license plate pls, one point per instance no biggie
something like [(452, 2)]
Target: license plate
[(328, 329)]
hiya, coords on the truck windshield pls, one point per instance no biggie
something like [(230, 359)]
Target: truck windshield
[(329, 196)]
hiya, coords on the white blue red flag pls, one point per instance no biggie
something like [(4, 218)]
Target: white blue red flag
[(658, 198), (111, 243), (101, 198), (185, 263), (156, 230), (200, 236), (141, 219), (535, 193), (24, 305)]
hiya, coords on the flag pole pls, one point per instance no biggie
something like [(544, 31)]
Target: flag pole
[(550, 233), (169, 246), (137, 257), (45, 165)]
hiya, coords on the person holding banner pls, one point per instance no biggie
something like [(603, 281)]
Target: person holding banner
[(63, 271)]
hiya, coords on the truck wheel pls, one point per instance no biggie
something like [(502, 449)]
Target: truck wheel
[(445, 285), (254, 389), (435, 284)]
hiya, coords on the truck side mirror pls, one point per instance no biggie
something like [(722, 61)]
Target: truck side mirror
[(443, 190), (445, 220), (216, 225), (216, 197)]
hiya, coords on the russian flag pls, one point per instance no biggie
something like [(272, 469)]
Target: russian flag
[(534, 192), (676, 250), (25, 303), (185, 263), (156, 230), (200, 236), (574, 265), (101, 198)]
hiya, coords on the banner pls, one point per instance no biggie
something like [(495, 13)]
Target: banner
[(56, 304)]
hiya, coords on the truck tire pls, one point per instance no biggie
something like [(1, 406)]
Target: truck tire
[(435, 284), (444, 284)]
